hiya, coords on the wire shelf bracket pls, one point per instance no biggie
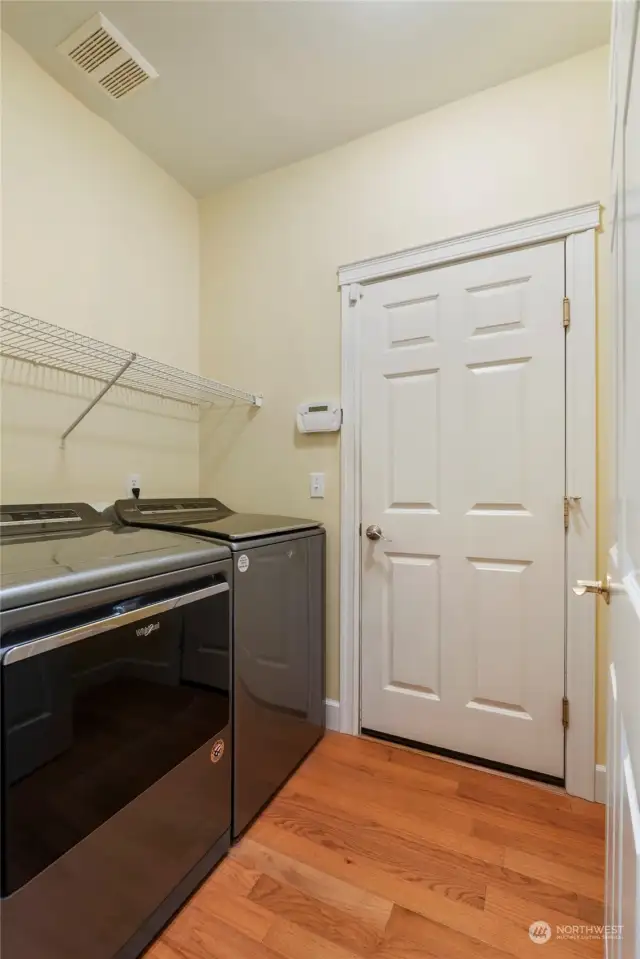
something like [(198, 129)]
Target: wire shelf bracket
[(105, 389), (34, 341)]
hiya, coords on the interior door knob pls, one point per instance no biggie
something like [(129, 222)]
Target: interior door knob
[(374, 532), (584, 586)]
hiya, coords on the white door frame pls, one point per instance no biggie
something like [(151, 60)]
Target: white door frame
[(579, 226)]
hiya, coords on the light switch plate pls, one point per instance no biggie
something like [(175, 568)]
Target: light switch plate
[(316, 485)]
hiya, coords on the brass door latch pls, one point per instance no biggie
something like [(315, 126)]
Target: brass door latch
[(585, 586)]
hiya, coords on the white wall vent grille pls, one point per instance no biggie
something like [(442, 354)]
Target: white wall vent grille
[(106, 57)]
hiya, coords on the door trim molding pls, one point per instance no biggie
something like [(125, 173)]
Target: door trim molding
[(581, 540), (578, 225), (522, 233)]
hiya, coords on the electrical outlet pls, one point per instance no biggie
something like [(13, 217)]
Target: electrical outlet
[(134, 482)]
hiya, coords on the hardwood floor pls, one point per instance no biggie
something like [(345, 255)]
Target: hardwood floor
[(380, 852)]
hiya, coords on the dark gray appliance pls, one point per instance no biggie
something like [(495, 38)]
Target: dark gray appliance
[(278, 636), (115, 736)]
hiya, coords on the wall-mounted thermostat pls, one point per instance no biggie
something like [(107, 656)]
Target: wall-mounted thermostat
[(319, 417)]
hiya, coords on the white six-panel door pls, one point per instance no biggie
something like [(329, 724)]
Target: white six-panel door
[(623, 744), (463, 468)]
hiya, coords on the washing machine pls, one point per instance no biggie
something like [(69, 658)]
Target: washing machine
[(115, 735), (278, 645)]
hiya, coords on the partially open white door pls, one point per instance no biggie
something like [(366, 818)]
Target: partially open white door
[(623, 752)]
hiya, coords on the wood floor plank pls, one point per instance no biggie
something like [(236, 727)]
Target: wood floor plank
[(409, 797), (526, 803), (433, 938), (579, 855), (558, 873), (374, 761), (383, 771), (494, 786), (359, 903), (241, 913), (522, 913), (453, 914), (389, 850), (162, 950), (465, 772), (587, 843), (374, 852), (449, 810), (294, 942), (373, 807), (397, 947), (434, 866), (232, 876), (519, 790), (594, 811), (214, 939), (326, 921)]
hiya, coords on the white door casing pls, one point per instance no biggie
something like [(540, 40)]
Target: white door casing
[(463, 467), (623, 741), (578, 226)]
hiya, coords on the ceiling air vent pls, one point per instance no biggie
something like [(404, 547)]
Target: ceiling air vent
[(106, 57)]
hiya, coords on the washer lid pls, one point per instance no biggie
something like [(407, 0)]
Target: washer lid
[(242, 526), (208, 517), (38, 563)]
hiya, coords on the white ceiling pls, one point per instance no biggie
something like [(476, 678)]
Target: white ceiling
[(245, 87)]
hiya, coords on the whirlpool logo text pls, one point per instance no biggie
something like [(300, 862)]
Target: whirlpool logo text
[(147, 630)]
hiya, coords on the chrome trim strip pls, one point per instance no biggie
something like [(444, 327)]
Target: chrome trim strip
[(46, 643), (39, 522), (173, 510)]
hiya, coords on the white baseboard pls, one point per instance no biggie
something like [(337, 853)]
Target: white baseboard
[(332, 714), (601, 784)]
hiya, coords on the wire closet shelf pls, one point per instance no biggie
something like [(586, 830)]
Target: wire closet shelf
[(30, 340)]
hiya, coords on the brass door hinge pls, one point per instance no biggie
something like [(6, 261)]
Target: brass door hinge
[(566, 312), (565, 712), (566, 512)]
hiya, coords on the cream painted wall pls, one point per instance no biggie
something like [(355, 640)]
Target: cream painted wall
[(97, 238), (270, 248)]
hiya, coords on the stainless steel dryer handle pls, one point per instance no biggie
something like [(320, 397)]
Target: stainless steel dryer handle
[(67, 636)]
